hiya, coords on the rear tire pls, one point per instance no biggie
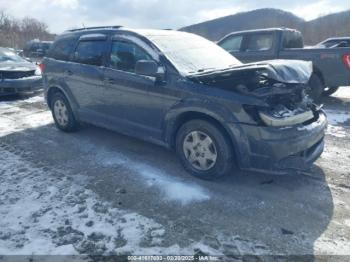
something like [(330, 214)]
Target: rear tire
[(316, 87), (330, 90), (62, 113), (204, 150)]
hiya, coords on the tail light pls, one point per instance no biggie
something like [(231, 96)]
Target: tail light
[(346, 60), (42, 67)]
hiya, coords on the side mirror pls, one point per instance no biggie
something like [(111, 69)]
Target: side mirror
[(146, 67)]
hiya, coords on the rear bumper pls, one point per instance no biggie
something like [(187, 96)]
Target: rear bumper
[(14, 86), (280, 150)]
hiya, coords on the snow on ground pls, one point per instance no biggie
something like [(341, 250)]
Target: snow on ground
[(336, 117), (23, 119), (44, 211), (338, 123), (343, 92)]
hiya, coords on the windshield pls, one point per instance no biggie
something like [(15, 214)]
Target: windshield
[(192, 54), (9, 56)]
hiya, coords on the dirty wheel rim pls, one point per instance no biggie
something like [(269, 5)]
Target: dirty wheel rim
[(200, 150), (61, 113)]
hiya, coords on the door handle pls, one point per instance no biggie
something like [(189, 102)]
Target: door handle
[(110, 81), (69, 72)]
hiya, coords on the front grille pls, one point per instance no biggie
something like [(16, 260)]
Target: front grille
[(16, 74)]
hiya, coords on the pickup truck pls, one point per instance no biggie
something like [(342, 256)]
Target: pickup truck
[(335, 42), (331, 66)]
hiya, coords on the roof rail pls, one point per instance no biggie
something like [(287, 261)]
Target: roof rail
[(95, 27)]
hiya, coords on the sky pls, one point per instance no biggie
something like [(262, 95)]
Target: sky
[(61, 15)]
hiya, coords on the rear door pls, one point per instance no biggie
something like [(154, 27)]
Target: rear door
[(85, 74)]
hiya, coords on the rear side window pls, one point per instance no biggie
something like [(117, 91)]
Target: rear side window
[(124, 55), (91, 52), (260, 42), (232, 43), (62, 49), (292, 39)]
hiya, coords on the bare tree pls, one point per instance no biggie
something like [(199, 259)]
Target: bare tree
[(16, 33)]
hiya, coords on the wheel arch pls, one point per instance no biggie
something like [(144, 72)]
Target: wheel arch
[(56, 88), (319, 73), (180, 119), (51, 91)]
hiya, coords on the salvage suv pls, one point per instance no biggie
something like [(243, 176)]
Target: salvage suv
[(184, 92)]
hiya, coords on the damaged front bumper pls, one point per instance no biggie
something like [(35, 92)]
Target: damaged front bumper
[(280, 150), (22, 85), (299, 118)]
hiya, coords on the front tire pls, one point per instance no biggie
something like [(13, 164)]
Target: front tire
[(204, 150), (63, 114)]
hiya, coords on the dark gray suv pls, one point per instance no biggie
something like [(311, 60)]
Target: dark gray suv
[(184, 92)]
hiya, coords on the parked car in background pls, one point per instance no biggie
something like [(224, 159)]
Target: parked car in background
[(17, 75), (331, 66), (36, 50), (334, 42), (184, 92)]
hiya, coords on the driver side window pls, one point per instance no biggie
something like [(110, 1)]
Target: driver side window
[(124, 56), (232, 44)]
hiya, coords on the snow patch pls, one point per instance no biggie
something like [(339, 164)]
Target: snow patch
[(49, 212), (343, 92), (337, 131), (20, 122), (330, 246), (171, 188), (339, 123), (16, 118), (336, 117)]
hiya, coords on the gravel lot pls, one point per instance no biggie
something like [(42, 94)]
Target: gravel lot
[(97, 192)]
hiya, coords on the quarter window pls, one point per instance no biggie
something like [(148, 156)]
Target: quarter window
[(91, 52), (124, 55)]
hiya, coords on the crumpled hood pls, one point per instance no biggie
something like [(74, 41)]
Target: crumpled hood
[(15, 66), (285, 71)]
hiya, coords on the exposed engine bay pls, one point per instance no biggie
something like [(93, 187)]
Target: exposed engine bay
[(282, 84)]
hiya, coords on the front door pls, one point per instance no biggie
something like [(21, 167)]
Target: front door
[(126, 95)]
